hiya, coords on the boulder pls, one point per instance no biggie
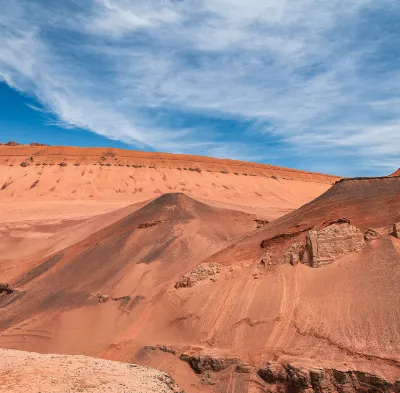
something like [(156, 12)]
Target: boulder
[(371, 234), (333, 242)]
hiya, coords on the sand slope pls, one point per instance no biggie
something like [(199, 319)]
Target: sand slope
[(343, 315), (114, 178)]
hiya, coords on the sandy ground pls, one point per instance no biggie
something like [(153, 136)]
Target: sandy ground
[(343, 315), (22, 372), (71, 235)]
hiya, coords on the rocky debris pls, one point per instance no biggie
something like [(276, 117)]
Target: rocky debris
[(201, 272), (293, 379), (295, 254), (261, 223), (166, 349), (5, 288), (242, 368), (266, 260), (343, 220), (103, 298), (371, 234), (273, 373), (256, 276), (12, 143), (149, 224), (332, 242), (122, 298), (37, 144), (24, 164), (207, 378), (396, 230), (202, 362), (162, 348)]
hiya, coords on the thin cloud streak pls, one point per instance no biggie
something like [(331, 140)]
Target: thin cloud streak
[(302, 71)]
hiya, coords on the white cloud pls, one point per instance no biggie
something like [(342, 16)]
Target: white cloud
[(301, 71)]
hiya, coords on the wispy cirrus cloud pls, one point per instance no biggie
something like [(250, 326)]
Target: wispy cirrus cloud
[(305, 81)]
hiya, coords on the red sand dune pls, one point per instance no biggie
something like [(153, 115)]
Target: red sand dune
[(101, 180), (112, 293)]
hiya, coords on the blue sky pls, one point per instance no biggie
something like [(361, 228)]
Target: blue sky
[(309, 84)]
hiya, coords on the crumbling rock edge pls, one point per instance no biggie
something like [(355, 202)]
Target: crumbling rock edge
[(295, 379), (199, 273)]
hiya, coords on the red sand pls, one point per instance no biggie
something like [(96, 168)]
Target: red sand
[(343, 315)]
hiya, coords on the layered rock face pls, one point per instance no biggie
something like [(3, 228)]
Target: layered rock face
[(291, 379), (204, 362), (333, 242)]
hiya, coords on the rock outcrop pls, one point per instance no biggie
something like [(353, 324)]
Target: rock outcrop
[(205, 362), (396, 230), (293, 379), (332, 242), (371, 234), (261, 223), (295, 254), (5, 288), (201, 272), (149, 224)]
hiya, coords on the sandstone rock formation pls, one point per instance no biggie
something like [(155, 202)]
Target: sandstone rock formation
[(266, 260), (296, 379), (333, 242), (295, 254), (204, 362), (201, 272)]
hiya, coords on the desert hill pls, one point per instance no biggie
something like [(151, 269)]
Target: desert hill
[(101, 180), (308, 302)]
